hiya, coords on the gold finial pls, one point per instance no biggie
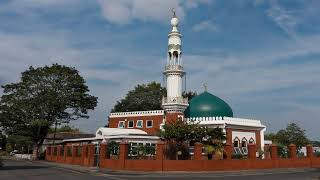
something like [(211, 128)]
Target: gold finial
[(174, 12), (205, 87)]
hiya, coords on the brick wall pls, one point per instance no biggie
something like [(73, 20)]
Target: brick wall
[(197, 164)]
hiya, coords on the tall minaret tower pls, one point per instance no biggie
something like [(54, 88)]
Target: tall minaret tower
[(174, 103)]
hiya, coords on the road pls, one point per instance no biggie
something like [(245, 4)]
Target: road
[(23, 170)]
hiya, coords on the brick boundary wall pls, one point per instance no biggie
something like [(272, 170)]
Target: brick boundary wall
[(196, 164)]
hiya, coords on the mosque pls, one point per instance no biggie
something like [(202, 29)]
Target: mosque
[(206, 108)]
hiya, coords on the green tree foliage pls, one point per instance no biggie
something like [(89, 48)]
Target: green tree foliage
[(65, 128), (293, 134), (144, 97), (20, 143), (44, 96), (181, 131), (189, 94)]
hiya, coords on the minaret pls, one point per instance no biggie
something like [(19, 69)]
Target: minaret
[(174, 102)]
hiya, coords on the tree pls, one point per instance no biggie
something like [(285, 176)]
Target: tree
[(64, 128), (44, 96), (189, 95), (21, 143), (144, 97), (182, 131), (293, 134)]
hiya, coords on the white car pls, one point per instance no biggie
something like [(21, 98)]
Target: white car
[(13, 152)]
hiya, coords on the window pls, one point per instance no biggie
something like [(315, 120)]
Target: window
[(121, 124), (244, 142), (251, 141), (139, 124), (236, 142), (130, 124), (149, 123)]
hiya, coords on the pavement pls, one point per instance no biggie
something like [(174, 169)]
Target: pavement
[(36, 170)]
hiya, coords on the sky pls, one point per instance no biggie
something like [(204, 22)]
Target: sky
[(261, 56)]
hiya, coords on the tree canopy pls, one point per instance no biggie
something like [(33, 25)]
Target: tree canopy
[(293, 134), (145, 97), (64, 128), (44, 96)]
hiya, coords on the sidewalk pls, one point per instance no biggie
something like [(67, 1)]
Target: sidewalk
[(97, 170)]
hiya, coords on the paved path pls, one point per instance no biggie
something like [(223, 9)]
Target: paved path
[(24, 170)]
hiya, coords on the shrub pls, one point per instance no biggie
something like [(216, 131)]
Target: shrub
[(317, 154), (42, 156), (237, 156), (282, 151), (177, 150), (112, 148)]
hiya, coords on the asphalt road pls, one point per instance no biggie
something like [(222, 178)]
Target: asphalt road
[(16, 170)]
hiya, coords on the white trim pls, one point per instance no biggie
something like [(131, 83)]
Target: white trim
[(141, 124), (137, 113), (147, 124), (124, 124), (227, 121), (132, 124)]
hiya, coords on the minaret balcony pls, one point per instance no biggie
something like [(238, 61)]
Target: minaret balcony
[(173, 68), (174, 100)]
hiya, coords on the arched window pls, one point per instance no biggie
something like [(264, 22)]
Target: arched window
[(244, 142), (175, 54), (236, 142), (251, 141)]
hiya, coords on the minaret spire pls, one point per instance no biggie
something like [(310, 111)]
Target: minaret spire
[(174, 102)]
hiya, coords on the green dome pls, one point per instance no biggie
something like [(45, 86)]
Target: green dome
[(207, 105)]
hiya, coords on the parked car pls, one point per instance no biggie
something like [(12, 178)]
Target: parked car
[(13, 152)]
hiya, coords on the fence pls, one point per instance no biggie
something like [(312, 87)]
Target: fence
[(85, 156)]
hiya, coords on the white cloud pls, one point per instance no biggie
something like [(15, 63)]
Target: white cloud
[(125, 11), (206, 25)]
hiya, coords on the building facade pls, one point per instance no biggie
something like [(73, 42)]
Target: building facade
[(206, 109)]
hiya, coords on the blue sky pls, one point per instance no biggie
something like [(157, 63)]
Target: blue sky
[(261, 56)]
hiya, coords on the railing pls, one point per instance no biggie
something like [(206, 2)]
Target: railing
[(174, 100), (229, 120), (174, 67), (137, 113)]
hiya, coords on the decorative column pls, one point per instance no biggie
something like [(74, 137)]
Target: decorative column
[(123, 153), (292, 151), (91, 151), (228, 150), (197, 153), (310, 151), (159, 150), (258, 139), (103, 149), (274, 151), (229, 136), (266, 151), (252, 151)]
